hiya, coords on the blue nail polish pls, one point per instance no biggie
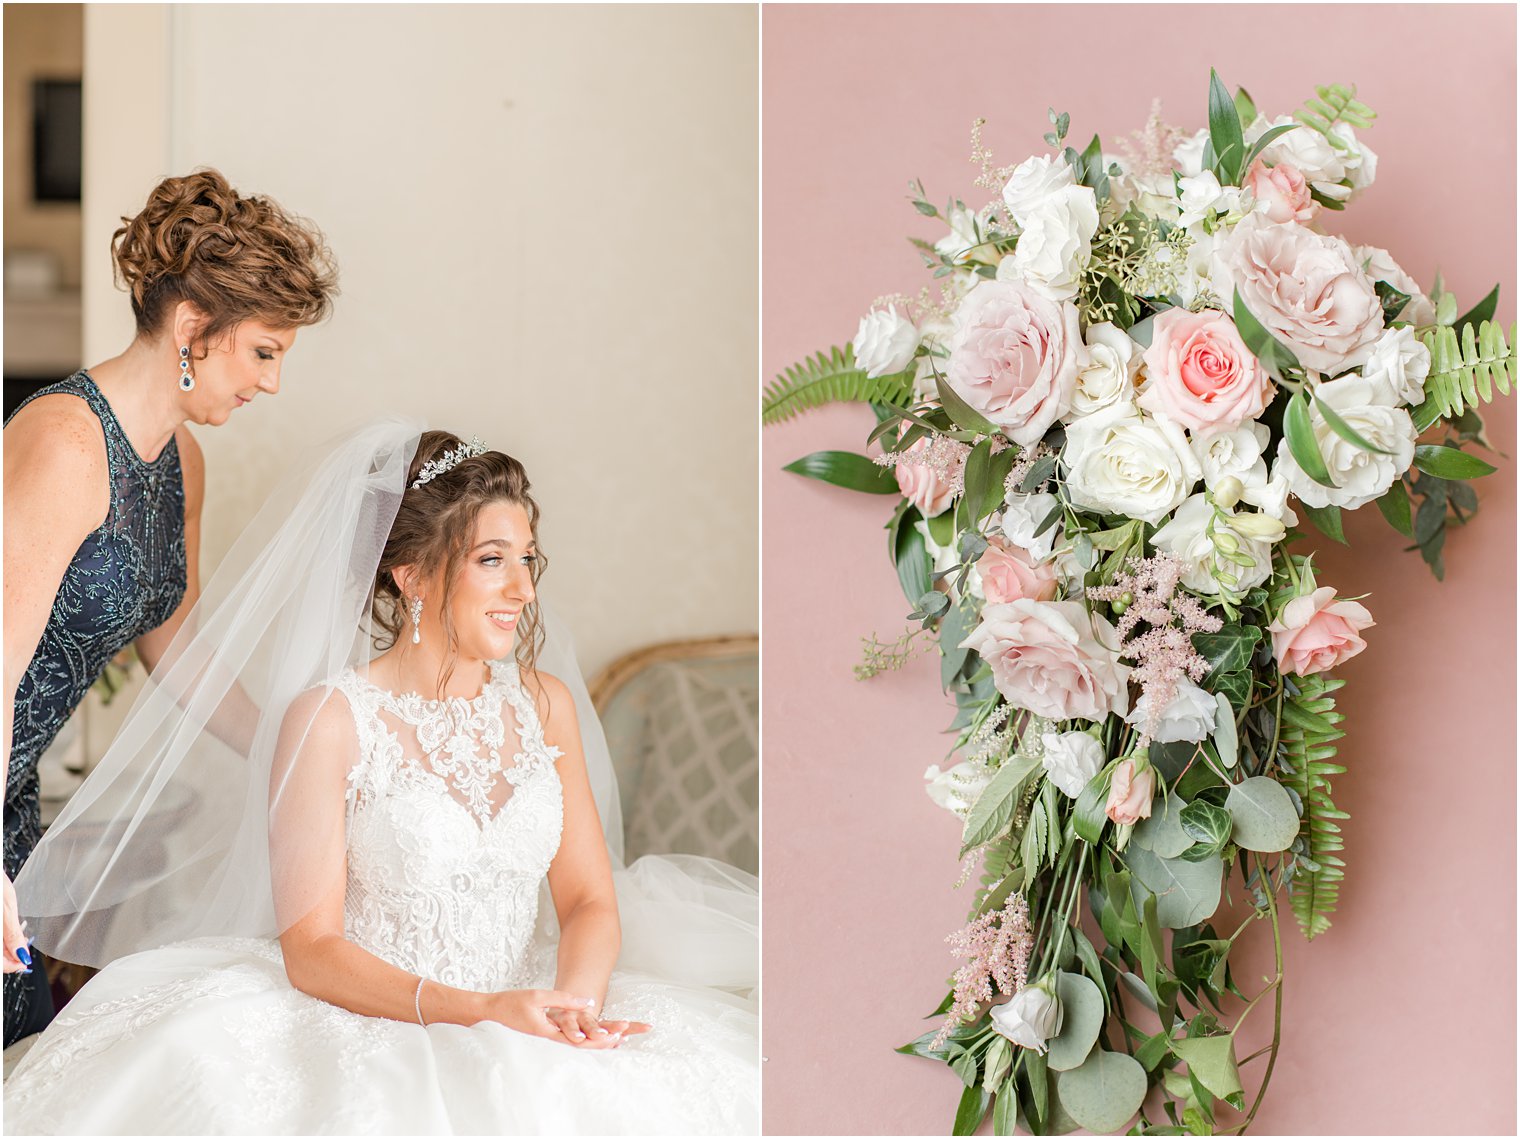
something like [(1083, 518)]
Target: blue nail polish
[(24, 956)]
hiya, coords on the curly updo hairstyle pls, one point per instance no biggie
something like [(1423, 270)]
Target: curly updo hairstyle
[(433, 529), (235, 258)]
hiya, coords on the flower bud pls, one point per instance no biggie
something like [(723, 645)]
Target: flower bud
[(1224, 540), (1259, 526), (1032, 1018), (1228, 492)]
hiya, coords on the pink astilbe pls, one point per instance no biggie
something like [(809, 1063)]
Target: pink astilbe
[(944, 456), (996, 947), (1150, 154), (1164, 651)]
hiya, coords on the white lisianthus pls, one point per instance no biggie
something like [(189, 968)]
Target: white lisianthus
[(1109, 377), (1186, 537), (1380, 266), (1237, 453), (1397, 368), (1188, 718), (1323, 165), (1032, 1018), (962, 238), (1071, 759), (1034, 181), (1202, 193), (1205, 271), (1271, 497), (885, 342), (1054, 244), (1022, 513), (957, 788), (1189, 155), (1120, 461), (1359, 476), (1153, 195)]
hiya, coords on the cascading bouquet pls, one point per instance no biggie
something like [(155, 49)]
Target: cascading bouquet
[(1134, 375)]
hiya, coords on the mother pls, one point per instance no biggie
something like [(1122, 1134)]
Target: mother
[(103, 482)]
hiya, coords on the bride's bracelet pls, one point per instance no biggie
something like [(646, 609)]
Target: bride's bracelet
[(417, 1000)]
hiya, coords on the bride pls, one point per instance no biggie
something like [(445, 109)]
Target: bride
[(354, 939)]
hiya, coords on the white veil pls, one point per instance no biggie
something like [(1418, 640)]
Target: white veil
[(170, 837)]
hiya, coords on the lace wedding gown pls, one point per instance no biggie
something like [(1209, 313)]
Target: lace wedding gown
[(449, 838)]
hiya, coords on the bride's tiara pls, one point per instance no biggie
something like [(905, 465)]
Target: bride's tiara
[(449, 460)]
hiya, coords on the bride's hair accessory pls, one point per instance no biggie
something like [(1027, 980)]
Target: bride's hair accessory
[(417, 1000), (449, 460), (416, 620), (186, 380)]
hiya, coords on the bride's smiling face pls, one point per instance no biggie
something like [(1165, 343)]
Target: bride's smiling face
[(494, 583)]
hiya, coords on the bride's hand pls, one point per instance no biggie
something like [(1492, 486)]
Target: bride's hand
[(17, 958), (584, 1030), (526, 1010)]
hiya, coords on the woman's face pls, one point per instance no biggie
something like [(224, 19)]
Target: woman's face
[(237, 368), (495, 582)]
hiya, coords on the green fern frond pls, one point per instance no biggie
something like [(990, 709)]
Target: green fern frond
[(830, 377), (1464, 374), (1336, 104), (1306, 739)]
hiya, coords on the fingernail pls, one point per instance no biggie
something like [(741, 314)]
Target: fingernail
[(587, 1002), (25, 956), (601, 1031)]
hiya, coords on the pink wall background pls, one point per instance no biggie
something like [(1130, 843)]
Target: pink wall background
[(1400, 1020)]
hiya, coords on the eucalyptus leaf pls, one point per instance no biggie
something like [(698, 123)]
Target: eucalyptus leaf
[(1186, 892), (1105, 1092), (1211, 1060), (1264, 817), (1225, 742), (1042, 469), (1081, 1018), (1162, 833)]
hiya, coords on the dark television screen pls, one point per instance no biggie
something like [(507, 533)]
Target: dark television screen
[(57, 138)]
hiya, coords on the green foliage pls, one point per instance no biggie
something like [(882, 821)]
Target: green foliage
[(845, 469), (1336, 104), (1464, 372), (830, 377), (1306, 748)]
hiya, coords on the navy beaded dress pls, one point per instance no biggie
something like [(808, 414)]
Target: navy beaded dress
[(127, 578)]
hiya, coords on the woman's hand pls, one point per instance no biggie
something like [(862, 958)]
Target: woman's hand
[(17, 957), (584, 1030), (527, 1010)]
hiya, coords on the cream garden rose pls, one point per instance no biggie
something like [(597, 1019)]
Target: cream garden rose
[(1109, 377), (1307, 289), (1359, 476), (1054, 243), (1053, 658), (1398, 367), (1119, 461), (885, 342), (1014, 357)]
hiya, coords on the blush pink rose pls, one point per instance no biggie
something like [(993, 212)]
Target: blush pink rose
[(1316, 633), (1053, 658), (1307, 289), (1010, 573), (1202, 375), (922, 485), (1014, 357), (1129, 795), (1284, 190)]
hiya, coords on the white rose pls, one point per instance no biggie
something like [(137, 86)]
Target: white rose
[(1022, 514), (1186, 537), (962, 238), (1189, 155), (1110, 373), (1031, 1019), (1202, 193), (1381, 266), (1188, 718), (1119, 461), (1397, 368), (1152, 194), (956, 788), (1359, 161), (885, 342), (1071, 759), (1054, 244), (1033, 181), (1359, 476), (1205, 272), (1237, 453)]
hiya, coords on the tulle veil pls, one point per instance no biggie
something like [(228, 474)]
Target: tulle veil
[(197, 821)]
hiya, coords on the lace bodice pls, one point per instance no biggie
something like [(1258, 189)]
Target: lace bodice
[(451, 830)]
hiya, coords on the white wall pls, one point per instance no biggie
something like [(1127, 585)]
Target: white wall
[(546, 224)]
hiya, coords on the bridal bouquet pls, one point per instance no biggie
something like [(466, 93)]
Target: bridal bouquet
[(1135, 375)]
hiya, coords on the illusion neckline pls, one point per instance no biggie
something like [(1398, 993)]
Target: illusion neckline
[(501, 675)]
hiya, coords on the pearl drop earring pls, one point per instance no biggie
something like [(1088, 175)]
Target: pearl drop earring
[(416, 620), (186, 380)]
